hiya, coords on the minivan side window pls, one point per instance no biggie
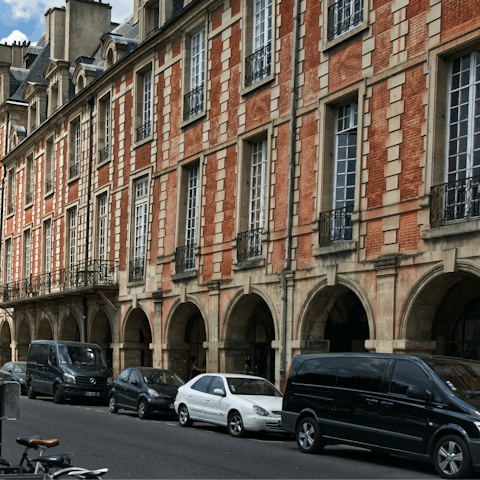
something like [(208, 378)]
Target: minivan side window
[(362, 373), (319, 371), (407, 374)]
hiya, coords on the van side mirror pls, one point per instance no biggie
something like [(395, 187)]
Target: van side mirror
[(219, 391), (418, 393)]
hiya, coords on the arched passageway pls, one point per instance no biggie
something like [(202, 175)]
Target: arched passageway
[(44, 330), (23, 340), (6, 340), (249, 334), (137, 340), (70, 329), (101, 334), (335, 321), (185, 338)]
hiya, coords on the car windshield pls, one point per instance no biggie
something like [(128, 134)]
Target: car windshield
[(252, 386), (20, 367), (160, 377), (461, 376), (80, 355)]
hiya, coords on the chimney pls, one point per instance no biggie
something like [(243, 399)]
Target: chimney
[(55, 31)]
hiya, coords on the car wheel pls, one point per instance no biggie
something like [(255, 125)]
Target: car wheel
[(235, 425), (451, 457), (142, 410), (31, 392), (309, 438), (57, 396), (112, 404), (184, 417)]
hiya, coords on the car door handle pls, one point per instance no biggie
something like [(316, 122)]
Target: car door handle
[(371, 401), (387, 404)]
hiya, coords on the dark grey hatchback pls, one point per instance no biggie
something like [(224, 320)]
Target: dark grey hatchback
[(425, 407), (147, 390)]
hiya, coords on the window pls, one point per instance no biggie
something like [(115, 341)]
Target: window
[(217, 382), (140, 229), (319, 371), (27, 254), (104, 140), (47, 242), (102, 236), (343, 16), (194, 100), (201, 385), (151, 16), (76, 150), (123, 377), (361, 373), (460, 193), (407, 374), (11, 192), (135, 377), (144, 104), (8, 261), (49, 166), (29, 181), (72, 239), (258, 64)]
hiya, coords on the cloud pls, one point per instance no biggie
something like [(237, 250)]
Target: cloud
[(15, 36)]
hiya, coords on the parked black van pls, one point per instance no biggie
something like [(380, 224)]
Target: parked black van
[(423, 406), (67, 370)]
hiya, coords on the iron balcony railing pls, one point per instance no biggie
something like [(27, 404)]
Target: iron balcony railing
[(137, 269), (144, 131), (258, 65), (29, 198), (185, 258), (457, 200), (193, 102), (335, 225), (249, 245), (10, 208), (343, 16), (104, 153), (98, 273), (74, 170), (49, 185)]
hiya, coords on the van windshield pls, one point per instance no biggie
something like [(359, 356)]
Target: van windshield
[(461, 376), (80, 355)]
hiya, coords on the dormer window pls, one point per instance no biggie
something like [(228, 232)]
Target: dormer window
[(109, 59), (151, 16)]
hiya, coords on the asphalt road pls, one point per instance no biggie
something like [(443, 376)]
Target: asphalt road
[(160, 448)]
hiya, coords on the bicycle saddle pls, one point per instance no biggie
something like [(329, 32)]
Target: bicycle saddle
[(25, 440), (52, 461)]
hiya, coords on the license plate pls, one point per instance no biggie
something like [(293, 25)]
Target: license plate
[(92, 394)]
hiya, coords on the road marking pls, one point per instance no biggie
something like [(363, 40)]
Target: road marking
[(172, 424)]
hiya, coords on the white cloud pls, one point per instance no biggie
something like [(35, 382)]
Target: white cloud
[(15, 36)]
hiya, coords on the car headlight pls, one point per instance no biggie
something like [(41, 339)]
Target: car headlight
[(153, 393), (110, 381), (260, 411), (21, 380), (69, 378)]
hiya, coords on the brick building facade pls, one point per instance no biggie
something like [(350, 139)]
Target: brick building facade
[(243, 181)]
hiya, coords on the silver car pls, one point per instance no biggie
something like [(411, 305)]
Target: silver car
[(239, 402)]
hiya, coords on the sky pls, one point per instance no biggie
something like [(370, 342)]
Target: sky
[(25, 20)]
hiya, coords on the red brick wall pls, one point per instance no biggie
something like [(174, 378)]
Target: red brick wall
[(143, 156), (374, 239), (409, 232), (381, 32), (458, 16)]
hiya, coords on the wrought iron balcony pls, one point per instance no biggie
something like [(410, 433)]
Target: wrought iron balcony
[(10, 208), (74, 170), (193, 103), (98, 274), (249, 245), (137, 269), (343, 16), (258, 65), (29, 198), (105, 153), (144, 131), (49, 185), (335, 225), (454, 201), (185, 258)]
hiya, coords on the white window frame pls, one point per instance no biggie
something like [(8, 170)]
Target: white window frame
[(28, 253), (339, 9), (262, 23), (72, 237), (77, 141), (102, 229), (140, 219), (147, 99), (8, 261), (30, 177), (258, 179), (107, 124), (48, 245), (197, 59)]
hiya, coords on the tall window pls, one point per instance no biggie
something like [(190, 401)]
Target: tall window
[(8, 261), (146, 128), (11, 191), (140, 229), (107, 123), (193, 102), (30, 180), (27, 253), (344, 15), (104, 130), (102, 232), (72, 244), (47, 229), (463, 138), (76, 147), (49, 166), (258, 65), (191, 219)]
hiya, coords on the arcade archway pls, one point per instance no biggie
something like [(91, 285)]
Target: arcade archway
[(101, 334), (70, 329), (44, 330), (23, 340), (5, 342), (137, 340)]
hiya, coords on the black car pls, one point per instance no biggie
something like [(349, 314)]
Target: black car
[(15, 372), (147, 390)]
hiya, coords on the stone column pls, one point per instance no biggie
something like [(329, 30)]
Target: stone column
[(213, 325), (157, 325)]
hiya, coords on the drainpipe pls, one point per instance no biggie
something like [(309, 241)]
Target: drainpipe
[(91, 102), (291, 178)]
